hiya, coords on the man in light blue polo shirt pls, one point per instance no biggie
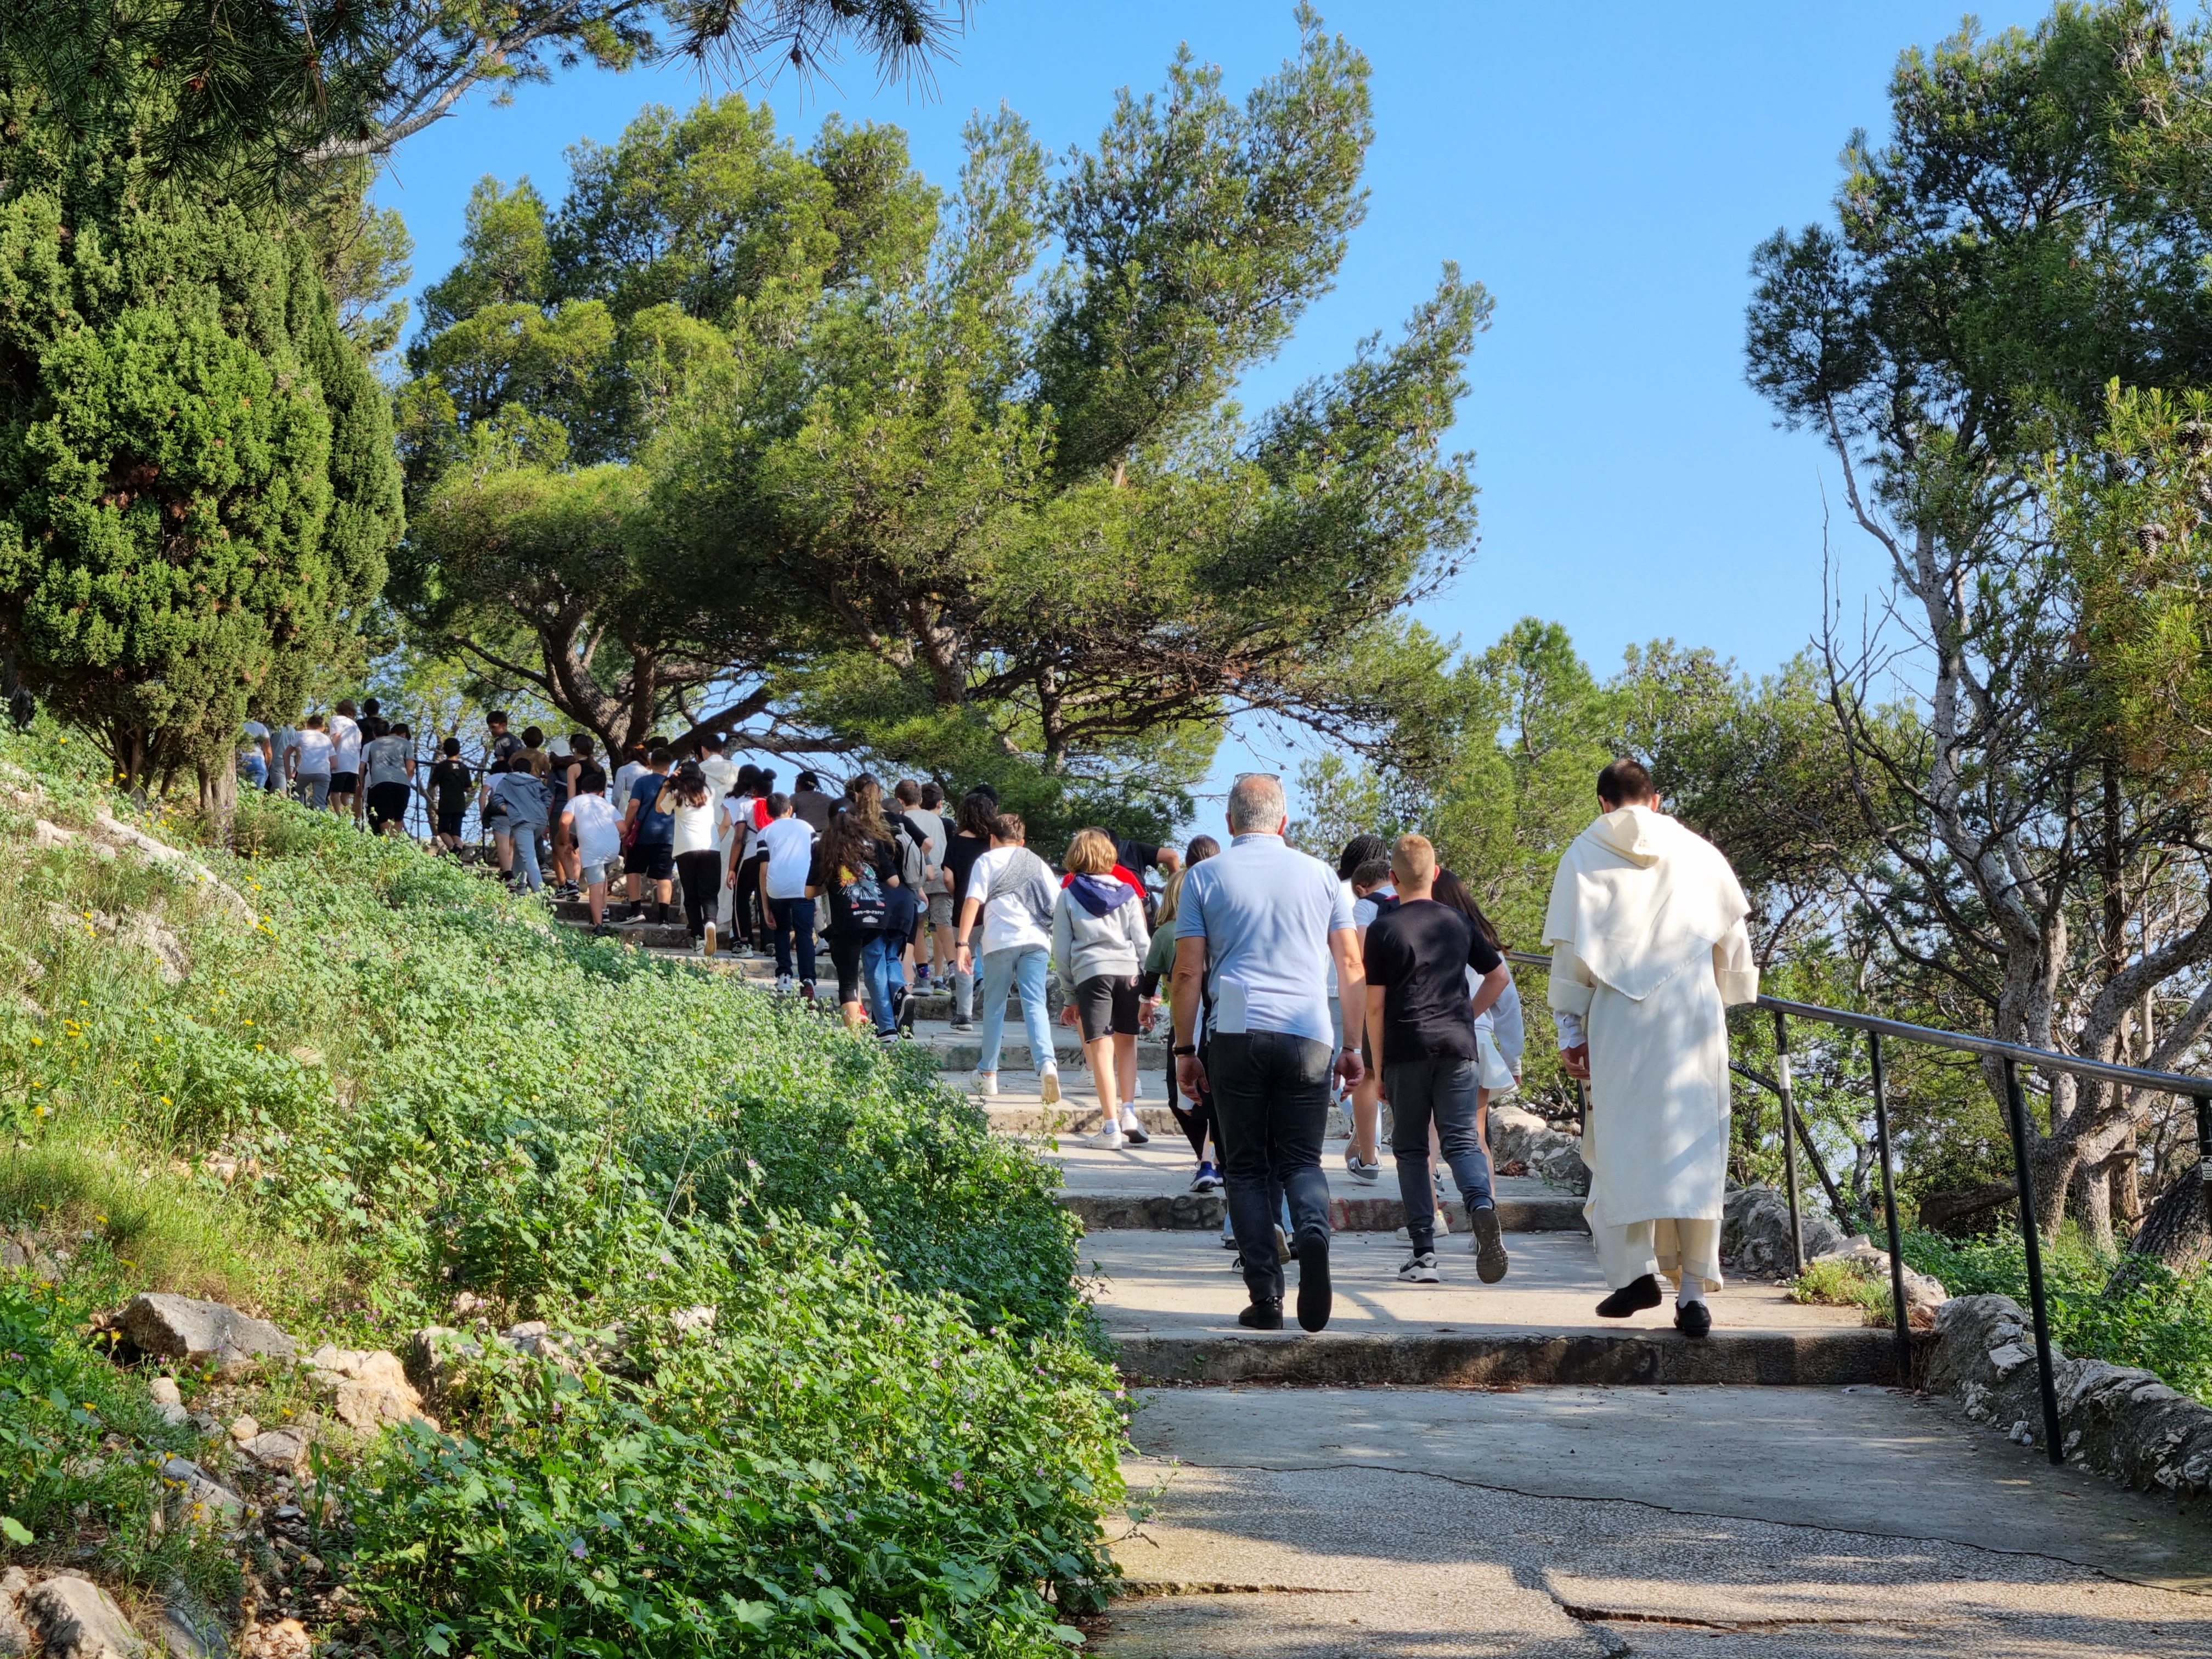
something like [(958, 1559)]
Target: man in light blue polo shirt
[(1257, 926)]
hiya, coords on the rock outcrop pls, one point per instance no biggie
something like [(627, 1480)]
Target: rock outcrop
[(196, 1332), (2122, 1422), (1755, 1231), (365, 1388), (1517, 1135), (79, 1621)]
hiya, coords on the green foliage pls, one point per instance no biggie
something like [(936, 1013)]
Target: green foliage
[(837, 1466), (1839, 1283), (897, 1426), (2147, 1314), (196, 463)]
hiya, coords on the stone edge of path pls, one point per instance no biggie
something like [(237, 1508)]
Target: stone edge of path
[(1194, 1212), (1770, 1359)]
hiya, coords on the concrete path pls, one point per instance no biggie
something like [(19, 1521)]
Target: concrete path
[(1315, 1523)]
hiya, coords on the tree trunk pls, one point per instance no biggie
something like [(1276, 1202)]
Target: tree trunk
[(2091, 1190), (2175, 1231), (2124, 1179), (219, 798)]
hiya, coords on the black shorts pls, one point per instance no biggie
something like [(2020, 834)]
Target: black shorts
[(845, 955), (653, 859), (387, 804), (344, 783), (1106, 1003), (449, 823)]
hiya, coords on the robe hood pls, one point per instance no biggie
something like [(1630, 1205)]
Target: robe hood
[(1638, 897)]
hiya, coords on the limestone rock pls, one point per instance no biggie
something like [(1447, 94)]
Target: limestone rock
[(164, 1391), (197, 1497), (1755, 1231), (1519, 1136), (159, 941), (46, 834), (367, 1388), (1923, 1295), (198, 1333), (283, 1450), (186, 1633), (80, 1621), (14, 1582), (14, 1639), (243, 1429), (287, 1638)]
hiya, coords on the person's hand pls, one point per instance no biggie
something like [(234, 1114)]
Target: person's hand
[(1350, 1067), (962, 959), (1067, 1015), (733, 881), (1146, 1010), (1574, 1061), (1190, 1076)]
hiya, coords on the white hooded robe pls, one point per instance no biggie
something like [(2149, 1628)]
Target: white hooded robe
[(1646, 926)]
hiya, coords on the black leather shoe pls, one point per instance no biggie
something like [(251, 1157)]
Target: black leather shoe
[(1631, 1298), (1262, 1316), (1693, 1318), (1314, 1297)]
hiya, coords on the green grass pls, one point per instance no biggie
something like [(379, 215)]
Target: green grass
[(402, 1092)]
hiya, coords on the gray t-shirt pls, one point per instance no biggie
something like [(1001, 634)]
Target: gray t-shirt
[(385, 761), (1266, 911)]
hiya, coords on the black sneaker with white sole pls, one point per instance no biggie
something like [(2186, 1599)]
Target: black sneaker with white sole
[(1491, 1260), (1316, 1299)]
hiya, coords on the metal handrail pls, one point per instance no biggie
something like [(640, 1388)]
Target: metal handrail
[(2013, 1056)]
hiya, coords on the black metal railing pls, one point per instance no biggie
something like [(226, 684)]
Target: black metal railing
[(2012, 1056)]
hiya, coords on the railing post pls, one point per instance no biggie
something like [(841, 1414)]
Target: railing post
[(2204, 1153), (2032, 1239), (1788, 1138), (1899, 1316)]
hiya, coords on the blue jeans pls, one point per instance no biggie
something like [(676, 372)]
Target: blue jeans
[(1443, 1090), (1023, 967), (253, 769), (525, 857), (794, 917), (879, 971), (1270, 1108)]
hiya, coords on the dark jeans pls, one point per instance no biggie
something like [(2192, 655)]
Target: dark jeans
[(793, 916), (702, 874), (1271, 1107), (1443, 1090)]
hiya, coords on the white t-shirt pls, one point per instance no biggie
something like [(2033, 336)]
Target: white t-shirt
[(314, 754), (695, 827), (721, 775), (599, 831), (345, 745), (1364, 911), (625, 774), (789, 843), (1007, 923)]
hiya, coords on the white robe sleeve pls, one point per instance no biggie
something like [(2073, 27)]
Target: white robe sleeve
[(1735, 967), (1569, 993)]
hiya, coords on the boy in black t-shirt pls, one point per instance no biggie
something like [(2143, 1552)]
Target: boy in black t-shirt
[(1420, 1023), (451, 784)]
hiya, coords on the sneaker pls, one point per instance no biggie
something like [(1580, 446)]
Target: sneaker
[(987, 1082), (1421, 1269), (963, 1024), (1315, 1298), (1229, 1242), (1136, 1133), (1282, 1244), (1049, 1085), (783, 985), (807, 990), (1207, 1180), (1489, 1246), (1108, 1139), (709, 939), (1262, 1316), (1366, 1174)]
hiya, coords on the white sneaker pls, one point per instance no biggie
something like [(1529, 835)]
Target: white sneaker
[(1106, 1140), (987, 1082), (708, 940), (783, 985), (1047, 1085), (1135, 1131), (1420, 1269)]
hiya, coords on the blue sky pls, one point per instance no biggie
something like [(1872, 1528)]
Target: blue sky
[(1604, 171)]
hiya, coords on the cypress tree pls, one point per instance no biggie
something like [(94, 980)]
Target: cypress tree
[(198, 486)]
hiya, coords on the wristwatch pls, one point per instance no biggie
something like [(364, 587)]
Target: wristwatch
[(1183, 1048)]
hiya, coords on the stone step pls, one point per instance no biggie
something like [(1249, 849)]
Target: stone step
[(1494, 1358), (1075, 1116), (1176, 1212), (962, 1052)]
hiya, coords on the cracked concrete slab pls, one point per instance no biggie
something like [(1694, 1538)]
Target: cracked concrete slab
[(1409, 1540)]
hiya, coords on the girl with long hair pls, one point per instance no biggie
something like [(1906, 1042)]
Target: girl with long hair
[(853, 870), (690, 798)]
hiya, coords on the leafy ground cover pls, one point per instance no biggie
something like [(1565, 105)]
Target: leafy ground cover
[(400, 1097)]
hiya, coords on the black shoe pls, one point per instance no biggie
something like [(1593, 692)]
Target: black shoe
[(963, 1024), (1263, 1315), (1629, 1298), (1314, 1297), (1490, 1258), (1693, 1319)]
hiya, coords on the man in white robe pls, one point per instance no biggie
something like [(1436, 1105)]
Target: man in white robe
[(1646, 926)]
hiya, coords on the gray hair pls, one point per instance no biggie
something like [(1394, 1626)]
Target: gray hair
[(1256, 803)]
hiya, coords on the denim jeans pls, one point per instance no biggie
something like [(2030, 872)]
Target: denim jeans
[(879, 971), (1270, 1108), (526, 858), (253, 770), (794, 918), (1443, 1090), (313, 788), (1023, 968)]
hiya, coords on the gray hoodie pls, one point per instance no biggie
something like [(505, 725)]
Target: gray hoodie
[(1084, 946)]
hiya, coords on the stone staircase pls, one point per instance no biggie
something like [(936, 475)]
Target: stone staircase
[(1168, 1293)]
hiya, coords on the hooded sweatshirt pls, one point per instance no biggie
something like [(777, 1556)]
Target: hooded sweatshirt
[(1099, 930)]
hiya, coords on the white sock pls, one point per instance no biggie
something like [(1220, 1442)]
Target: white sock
[(1692, 1290)]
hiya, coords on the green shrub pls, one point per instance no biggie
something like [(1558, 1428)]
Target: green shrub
[(837, 1466), (2153, 1317), (1843, 1284)]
